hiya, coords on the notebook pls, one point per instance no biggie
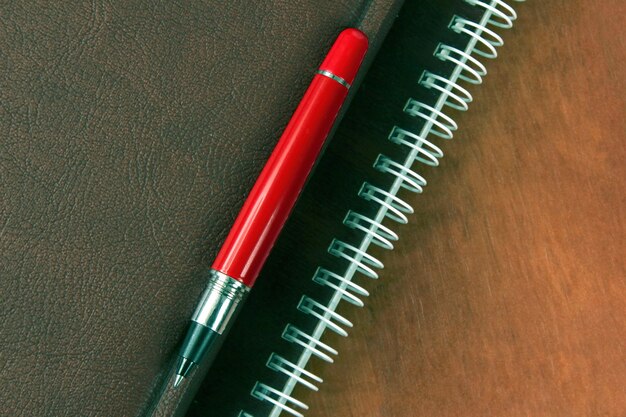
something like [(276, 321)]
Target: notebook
[(131, 134), (273, 357)]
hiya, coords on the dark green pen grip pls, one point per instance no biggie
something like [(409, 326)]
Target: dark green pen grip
[(197, 342)]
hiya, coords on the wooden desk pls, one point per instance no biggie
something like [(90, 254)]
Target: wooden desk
[(505, 295)]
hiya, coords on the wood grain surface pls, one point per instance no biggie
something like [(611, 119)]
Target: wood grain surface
[(505, 295)]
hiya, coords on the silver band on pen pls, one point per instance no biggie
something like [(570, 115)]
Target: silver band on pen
[(219, 301), (334, 77)]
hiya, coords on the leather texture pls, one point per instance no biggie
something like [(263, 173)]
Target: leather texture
[(131, 134)]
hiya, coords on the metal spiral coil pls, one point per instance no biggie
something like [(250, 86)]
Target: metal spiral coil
[(483, 42)]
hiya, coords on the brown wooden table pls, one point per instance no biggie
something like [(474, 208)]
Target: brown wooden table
[(505, 295)]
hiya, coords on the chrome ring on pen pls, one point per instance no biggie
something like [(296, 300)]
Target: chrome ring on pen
[(482, 42)]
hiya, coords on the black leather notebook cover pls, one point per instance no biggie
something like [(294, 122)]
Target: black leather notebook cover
[(131, 134)]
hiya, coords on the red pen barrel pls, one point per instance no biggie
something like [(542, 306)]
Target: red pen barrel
[(275, 192), (266, 209)]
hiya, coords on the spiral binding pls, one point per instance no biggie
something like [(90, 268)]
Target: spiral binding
[(483, 42)]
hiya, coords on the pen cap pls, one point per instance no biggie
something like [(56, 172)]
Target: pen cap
[(346, 54)]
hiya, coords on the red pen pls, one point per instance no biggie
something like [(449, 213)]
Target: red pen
[(271, 199)]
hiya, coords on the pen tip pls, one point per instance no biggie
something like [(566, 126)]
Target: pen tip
[(178, 380)]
